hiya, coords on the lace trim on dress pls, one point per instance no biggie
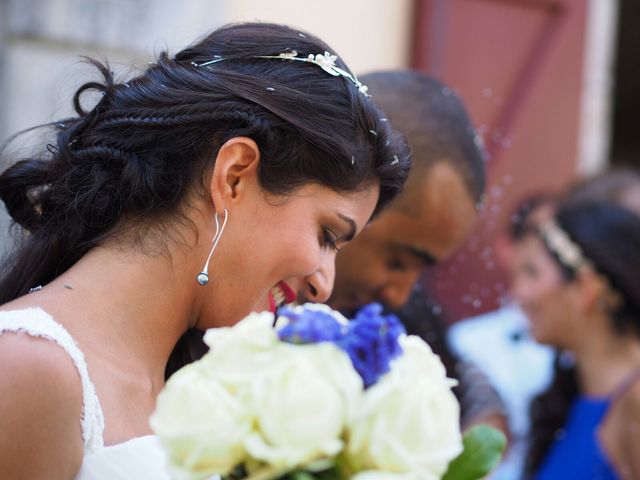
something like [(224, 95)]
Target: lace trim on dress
[(38, 323)]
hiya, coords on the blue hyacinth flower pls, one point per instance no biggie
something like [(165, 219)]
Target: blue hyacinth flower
[(310, 325), (372, 342), (371, 339)]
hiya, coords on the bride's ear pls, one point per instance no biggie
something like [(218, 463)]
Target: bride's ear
[(235, 169)]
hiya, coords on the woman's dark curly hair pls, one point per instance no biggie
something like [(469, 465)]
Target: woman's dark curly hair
[(609, 236), (133, 159)]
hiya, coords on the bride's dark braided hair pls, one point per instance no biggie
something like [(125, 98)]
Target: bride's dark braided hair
[(131, 161)]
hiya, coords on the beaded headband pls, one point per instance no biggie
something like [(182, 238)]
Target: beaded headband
[(571, 255), (557, 240), (326, 62)]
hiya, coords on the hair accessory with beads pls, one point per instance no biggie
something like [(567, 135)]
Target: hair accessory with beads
[(569, 253), (326, 62)]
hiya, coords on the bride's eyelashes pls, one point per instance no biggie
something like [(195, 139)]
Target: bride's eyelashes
[(329, 239)]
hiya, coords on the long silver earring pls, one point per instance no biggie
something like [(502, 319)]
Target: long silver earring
[(203, 276)]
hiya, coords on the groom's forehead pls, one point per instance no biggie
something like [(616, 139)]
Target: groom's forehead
[(442, 225)]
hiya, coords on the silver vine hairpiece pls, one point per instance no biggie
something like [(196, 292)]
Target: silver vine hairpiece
[(557, 240), (326, 62)]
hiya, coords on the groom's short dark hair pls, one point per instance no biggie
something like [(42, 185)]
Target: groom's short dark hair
[(435, 122)]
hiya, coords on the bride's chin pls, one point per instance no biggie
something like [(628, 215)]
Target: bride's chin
[(267, 304)]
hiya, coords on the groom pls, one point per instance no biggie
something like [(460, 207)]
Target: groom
[(424, 225)]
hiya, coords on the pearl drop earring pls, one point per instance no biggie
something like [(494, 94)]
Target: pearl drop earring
[(203, 276)]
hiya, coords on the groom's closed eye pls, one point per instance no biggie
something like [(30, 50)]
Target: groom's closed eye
[(414, 257)]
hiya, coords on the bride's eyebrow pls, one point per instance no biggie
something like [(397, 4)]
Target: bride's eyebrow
[(352, 227)]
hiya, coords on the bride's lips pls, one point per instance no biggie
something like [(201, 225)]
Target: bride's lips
[(286, 291), (289, 294)]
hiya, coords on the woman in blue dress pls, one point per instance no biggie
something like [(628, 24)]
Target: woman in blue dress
[(576, 278)]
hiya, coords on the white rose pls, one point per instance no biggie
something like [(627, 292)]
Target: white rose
[(418, 359), (255, 331), (302, 405), (237, 354), (200, 424), (409, 420)]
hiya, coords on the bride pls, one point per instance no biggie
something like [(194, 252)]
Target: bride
[(217, 182)]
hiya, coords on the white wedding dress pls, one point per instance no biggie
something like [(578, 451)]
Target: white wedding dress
[(139, 458)]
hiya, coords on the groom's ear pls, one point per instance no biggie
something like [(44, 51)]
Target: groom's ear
[(235, 170)]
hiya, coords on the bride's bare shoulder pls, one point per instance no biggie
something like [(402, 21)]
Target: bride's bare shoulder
[(41, 407)]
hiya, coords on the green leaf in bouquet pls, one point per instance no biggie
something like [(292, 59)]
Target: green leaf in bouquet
[(483, 447)]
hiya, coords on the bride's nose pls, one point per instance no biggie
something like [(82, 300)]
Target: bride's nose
[(319, 284)]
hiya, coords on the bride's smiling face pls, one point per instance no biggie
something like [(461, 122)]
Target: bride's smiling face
[(277, 247)]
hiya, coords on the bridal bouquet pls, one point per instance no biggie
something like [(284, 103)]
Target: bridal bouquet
[(317, 397)]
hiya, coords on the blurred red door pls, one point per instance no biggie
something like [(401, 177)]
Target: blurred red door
[(518, 66)]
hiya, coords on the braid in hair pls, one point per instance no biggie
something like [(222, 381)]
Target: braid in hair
[(131, 161)]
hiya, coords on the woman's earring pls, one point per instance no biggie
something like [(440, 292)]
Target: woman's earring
[(203, 276)]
